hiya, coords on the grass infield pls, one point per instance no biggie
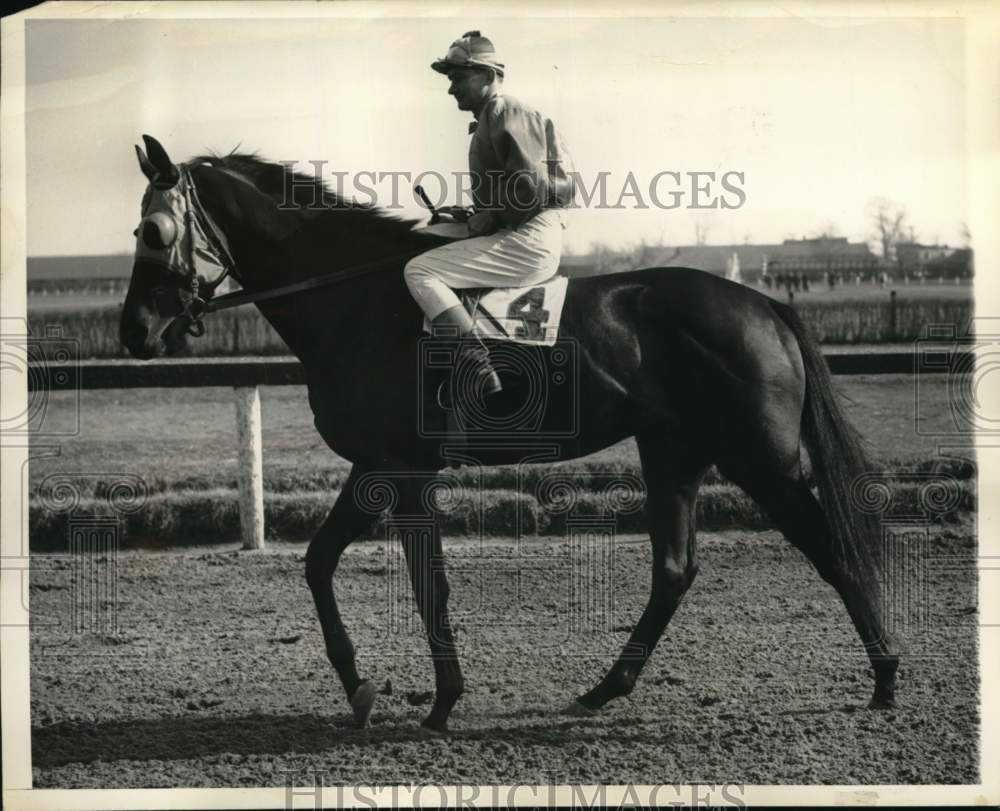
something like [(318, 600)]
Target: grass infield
[(177, 448)]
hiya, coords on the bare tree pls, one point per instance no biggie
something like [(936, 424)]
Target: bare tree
[(888, 223), (700, 232), (965, 235), (603, 257), (646, 253)]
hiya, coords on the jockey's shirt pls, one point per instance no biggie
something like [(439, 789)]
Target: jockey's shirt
[(518, 162)]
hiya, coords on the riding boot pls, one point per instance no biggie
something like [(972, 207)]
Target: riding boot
[(473, 364), (472, 373)]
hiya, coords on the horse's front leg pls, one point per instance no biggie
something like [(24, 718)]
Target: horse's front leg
[(416, 526), (346, 521)]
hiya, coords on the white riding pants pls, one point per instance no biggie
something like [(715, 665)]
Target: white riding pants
[(508, 258)]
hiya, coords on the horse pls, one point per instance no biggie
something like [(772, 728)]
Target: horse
[(701, 371)]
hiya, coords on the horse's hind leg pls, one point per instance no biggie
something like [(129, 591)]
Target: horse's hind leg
[(672, 479), (345, 522), (419, 532), (789, 501)]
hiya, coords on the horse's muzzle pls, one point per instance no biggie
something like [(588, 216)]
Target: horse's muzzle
[(154, 336), (143, 343)]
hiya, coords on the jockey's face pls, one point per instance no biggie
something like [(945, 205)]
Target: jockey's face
[(471, 87)]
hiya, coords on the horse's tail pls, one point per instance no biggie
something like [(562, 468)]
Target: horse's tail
[(838, 457)]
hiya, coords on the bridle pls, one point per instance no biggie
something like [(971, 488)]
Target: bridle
[(194, 306), (201, 240)]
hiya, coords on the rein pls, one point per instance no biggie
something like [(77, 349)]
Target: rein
[(240, 297), (196, 308)]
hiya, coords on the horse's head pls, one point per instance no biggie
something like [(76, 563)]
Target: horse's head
[(180, 257), (232, 217)]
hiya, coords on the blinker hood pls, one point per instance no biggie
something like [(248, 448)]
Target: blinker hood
[(188, 250)]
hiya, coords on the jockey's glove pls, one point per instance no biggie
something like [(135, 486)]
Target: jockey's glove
[(451, 214)]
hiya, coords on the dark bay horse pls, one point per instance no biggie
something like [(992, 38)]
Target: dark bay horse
[(699, 370)]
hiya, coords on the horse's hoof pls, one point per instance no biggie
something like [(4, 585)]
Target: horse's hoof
[(362, 702), (884, 697), (578, 710), (431, 733)]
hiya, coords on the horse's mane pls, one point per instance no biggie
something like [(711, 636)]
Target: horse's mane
[(316, 201)]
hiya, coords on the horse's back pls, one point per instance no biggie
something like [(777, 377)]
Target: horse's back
[(706, 325), (680, 287), (677, 297)]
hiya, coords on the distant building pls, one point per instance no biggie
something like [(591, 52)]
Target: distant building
[(79, 273), (811, 257), (913, 255), (88, 268)]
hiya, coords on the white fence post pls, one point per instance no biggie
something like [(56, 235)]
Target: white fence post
[(251, 464)]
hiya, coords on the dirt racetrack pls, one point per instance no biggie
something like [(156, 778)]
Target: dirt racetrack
[(217, 676)]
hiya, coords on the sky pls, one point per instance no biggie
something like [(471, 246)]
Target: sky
[(819, 116)]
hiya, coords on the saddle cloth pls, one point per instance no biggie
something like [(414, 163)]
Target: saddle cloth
[(527, 315)]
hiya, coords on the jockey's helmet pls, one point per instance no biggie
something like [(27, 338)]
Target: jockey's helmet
[(472, 50)]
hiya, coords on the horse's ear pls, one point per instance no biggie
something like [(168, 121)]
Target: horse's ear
[(157, 154), (145, 164), (166, 173)]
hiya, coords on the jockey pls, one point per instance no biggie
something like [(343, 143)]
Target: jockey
[(520, 183)]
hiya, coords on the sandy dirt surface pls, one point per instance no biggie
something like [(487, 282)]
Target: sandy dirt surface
[(216, 673)]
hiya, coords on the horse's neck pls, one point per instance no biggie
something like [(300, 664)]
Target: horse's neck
[(326, 319)]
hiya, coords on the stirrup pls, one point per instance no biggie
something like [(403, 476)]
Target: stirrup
[(474, 360), (442, 395)]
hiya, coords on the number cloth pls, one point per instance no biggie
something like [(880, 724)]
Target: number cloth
[(524, 315)]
